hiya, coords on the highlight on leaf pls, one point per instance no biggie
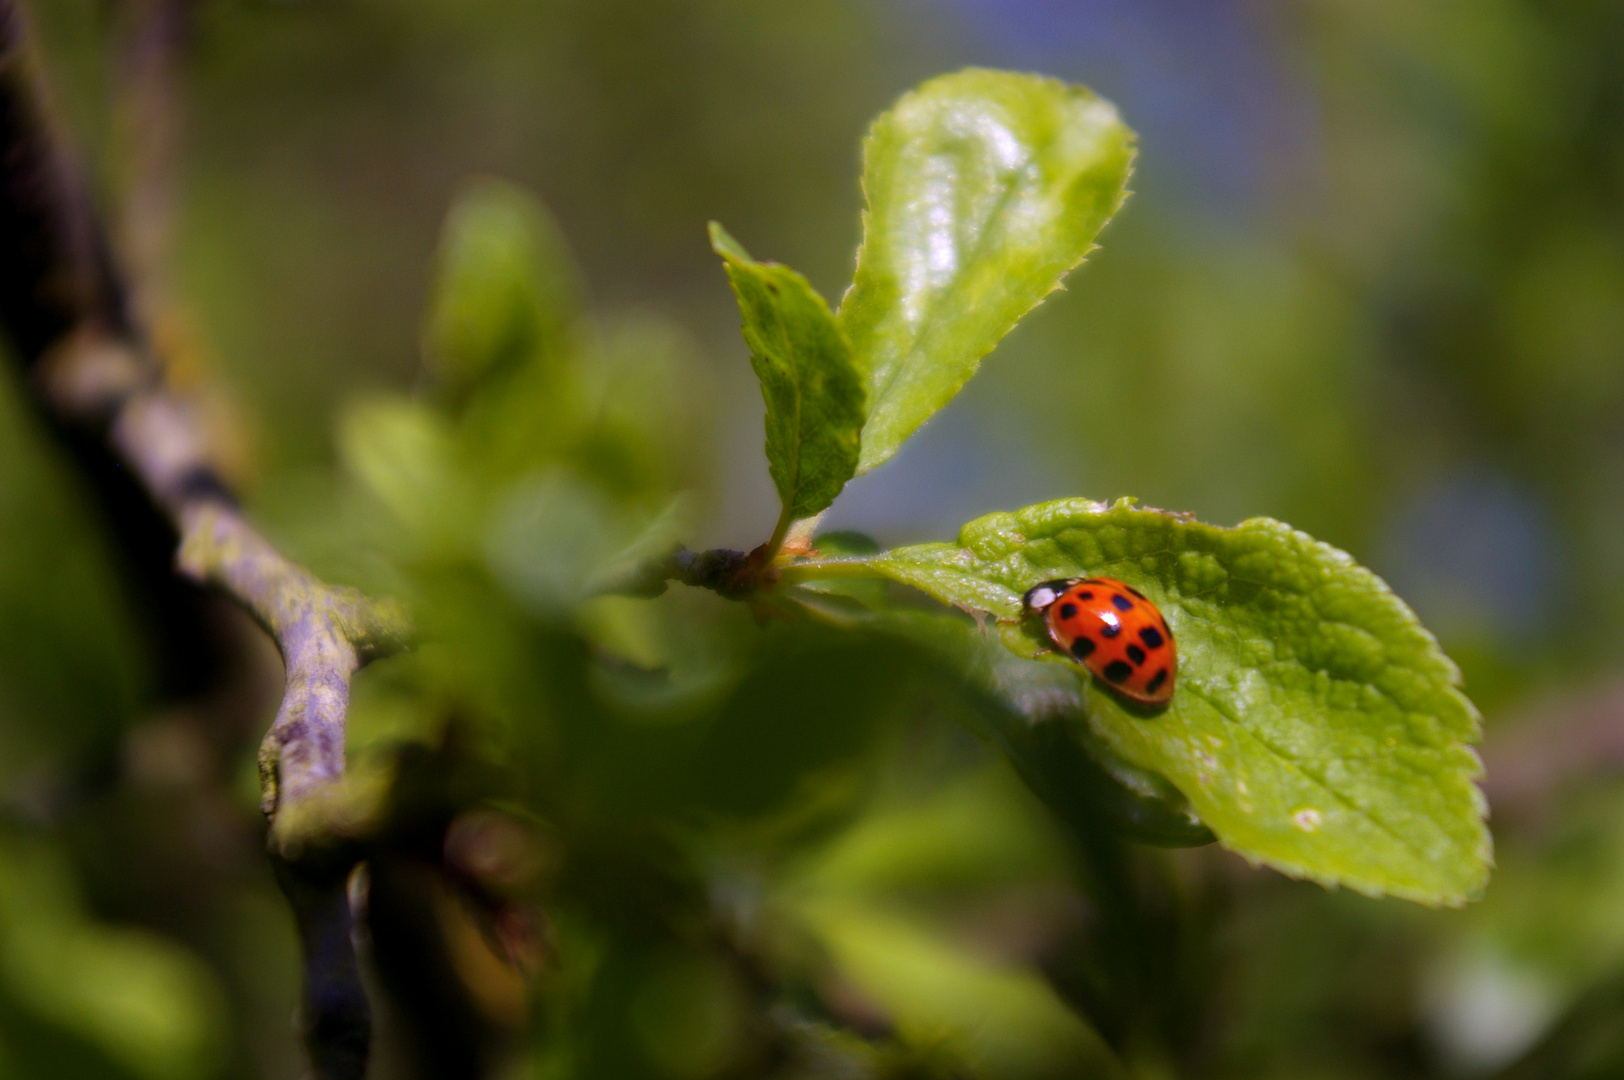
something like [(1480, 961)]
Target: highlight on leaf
[(983, 189)]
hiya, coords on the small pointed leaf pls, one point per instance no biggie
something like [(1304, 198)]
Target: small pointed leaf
[(815, 399), (1316, 725), (983, 189)]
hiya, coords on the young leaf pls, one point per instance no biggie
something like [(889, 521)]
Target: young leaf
[(1316, 725), (815, 398), (505, 287), (983, 189)]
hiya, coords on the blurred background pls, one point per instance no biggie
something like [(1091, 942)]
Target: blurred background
[(1371, 282)]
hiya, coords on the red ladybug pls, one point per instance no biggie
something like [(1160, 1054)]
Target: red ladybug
[(1113, 631)]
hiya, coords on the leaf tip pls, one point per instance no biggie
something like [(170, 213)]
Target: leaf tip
[(723, 244)]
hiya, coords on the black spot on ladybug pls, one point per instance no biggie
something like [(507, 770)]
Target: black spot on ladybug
[(1152, 637), (1135, 591), (1136, 654), (1116, 671), (1082, 648), (1156, 681), (1085, 596), (1068, 611), (1111, 629), (1120, 602)]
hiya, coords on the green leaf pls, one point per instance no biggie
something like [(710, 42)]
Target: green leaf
[(1316, 726), (403, 453), (976, 832), (858, 896), (814, 395), (505, 288), (983, 189), (1002, 1020), (555, 539)]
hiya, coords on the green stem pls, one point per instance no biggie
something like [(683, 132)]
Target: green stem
[(823, 569), (776, 540)]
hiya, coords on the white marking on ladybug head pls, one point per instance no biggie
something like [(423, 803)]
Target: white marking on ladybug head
[(1040, 597)]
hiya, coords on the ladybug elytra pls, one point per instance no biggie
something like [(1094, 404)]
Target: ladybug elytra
[(1113, 631)]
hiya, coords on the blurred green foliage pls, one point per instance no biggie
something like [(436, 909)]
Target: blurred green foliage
[(1425, 290)]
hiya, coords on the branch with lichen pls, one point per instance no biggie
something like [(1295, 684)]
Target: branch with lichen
[(103, 387), (324, 634), (99, 372)]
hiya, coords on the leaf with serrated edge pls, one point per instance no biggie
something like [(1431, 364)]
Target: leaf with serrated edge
[(1316, 725), (815, 398), (983, 188)]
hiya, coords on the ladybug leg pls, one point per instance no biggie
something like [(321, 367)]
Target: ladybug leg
[(1048, 645)]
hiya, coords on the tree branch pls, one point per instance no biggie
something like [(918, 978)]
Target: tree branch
[(97, 371), (324, 634), (145, 447)]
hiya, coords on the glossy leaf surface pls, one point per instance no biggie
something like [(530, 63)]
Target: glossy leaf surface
[(983, 188)]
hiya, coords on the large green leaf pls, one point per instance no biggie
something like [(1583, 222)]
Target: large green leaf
[(983, 189), (814, 395), (1316, 725)]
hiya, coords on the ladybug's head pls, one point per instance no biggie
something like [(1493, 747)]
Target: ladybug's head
[(1040, 596)]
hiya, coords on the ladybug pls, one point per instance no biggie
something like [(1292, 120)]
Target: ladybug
[(1113, 631)]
